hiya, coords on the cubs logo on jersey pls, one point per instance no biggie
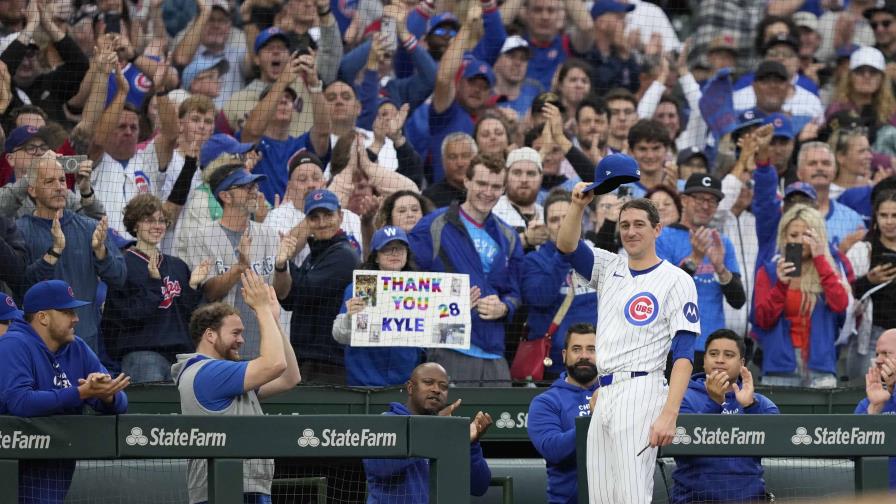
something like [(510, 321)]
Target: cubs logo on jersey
[(641, 309), (141, 181)]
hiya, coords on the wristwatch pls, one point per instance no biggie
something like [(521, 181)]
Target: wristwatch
[(689, 266)]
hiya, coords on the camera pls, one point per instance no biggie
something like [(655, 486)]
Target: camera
[(71, 164)]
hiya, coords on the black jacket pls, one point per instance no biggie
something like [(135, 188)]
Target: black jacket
[(12, 257)]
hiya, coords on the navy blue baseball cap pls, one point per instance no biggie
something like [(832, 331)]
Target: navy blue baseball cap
[(321, 198), (613, 171), (8, 308), (440, 19), (782, 123), (602, 7), (51, 295), (22, 134), (237, 179), (218, 144), (801, 188), (387, 235), (477, 68), (267, 35)]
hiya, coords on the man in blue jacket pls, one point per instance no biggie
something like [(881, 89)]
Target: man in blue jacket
[(726, 387), (469, 238), (879, 384), (400, 481), (552, 415), (8, 312), (46, 370)]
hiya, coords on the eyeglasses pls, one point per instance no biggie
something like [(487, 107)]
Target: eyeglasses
[(34, 149), (881, 24), (444, 32), (393, 250), (149, 221), (253, 187), (780, 54), (706, 200)]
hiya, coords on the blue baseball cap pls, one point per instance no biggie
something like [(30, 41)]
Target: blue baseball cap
[(22, 134), (613, 171), (219, 144), (387, 235), (8, 308), (236, 179), (802, 188), (267, 35), (478, 68), (321, 198), (51, 295), (201, 64), (782, 123), (442, 18), (602, 7), (747, 119)]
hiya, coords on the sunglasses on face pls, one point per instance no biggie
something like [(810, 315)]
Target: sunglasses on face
[(444, 32)]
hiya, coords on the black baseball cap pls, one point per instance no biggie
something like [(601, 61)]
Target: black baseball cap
[(301, 157), (770, 68), (704, 183)]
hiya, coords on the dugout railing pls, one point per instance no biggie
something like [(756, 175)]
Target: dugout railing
[(868, 440), (225, 441)]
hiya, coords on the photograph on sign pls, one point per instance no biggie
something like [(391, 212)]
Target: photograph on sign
[(412, 308)]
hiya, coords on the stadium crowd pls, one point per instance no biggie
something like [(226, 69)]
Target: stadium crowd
[(160, 154)]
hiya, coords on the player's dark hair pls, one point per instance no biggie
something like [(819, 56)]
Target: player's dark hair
[(595, 103), (653, 215), (557, 195), (729, 335), (578, 328), (210, 316), (648, 130)]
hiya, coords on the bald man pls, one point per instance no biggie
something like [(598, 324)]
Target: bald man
[(879, 383), (397, 481)]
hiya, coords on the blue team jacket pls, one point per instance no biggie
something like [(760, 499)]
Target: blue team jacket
[(544, 282), (777, 346), (552, 429), (889, 409), (718, 479), (406, 481), (441, 243), (36, 382)]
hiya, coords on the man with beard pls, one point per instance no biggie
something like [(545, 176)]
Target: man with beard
[(517, 207), (235, 243), (399, 481), (552, 415), (468, 238), (215, 381), (514, 90), (725, 387), (704, 254)]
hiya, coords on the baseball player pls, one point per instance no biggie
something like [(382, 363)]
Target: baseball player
[(645, 305)]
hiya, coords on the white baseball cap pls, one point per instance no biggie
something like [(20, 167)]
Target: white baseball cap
[(515, 42), (804, 19), (867, 56), (524, 154)]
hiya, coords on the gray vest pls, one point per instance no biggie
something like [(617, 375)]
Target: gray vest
[(257, 473)]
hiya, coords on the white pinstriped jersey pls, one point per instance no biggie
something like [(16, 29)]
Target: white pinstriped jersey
[(638, 315)]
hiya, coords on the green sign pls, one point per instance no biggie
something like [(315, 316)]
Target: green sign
[(51, 437), (180, 436)]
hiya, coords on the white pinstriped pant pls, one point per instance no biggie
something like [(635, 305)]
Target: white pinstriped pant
[(619, 429)]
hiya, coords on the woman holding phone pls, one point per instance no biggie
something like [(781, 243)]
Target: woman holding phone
[(874, 264), (799, 303)]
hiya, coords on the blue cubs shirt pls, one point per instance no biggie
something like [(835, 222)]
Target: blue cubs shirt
[(674, 245), (486, 246)]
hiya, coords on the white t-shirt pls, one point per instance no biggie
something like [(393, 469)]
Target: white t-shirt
[(505, 211), (287, 216), (116, 183)]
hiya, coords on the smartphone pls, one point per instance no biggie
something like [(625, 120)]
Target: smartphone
[(112, 22), (793, 253), (71, 164), (750, 184), (888, 257), (387, 27)]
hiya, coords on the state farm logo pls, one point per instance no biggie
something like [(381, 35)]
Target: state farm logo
[(346, 438), (681, 436), (838, 436), (505, 422), (18, 440), (718, 436), (308, 439), (136, 438)]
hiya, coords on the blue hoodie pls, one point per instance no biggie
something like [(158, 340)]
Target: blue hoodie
[(718, 479), (889, 409), (552, 429), (406, 481), (36, 382), (545, 282)]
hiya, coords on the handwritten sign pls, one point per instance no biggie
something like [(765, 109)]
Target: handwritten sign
[(412, 308)]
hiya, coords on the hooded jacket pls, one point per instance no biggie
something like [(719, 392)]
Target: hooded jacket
[(889, 409), (441, 243), (406, 481), (718, 479), (37, 382), (552, 429)]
